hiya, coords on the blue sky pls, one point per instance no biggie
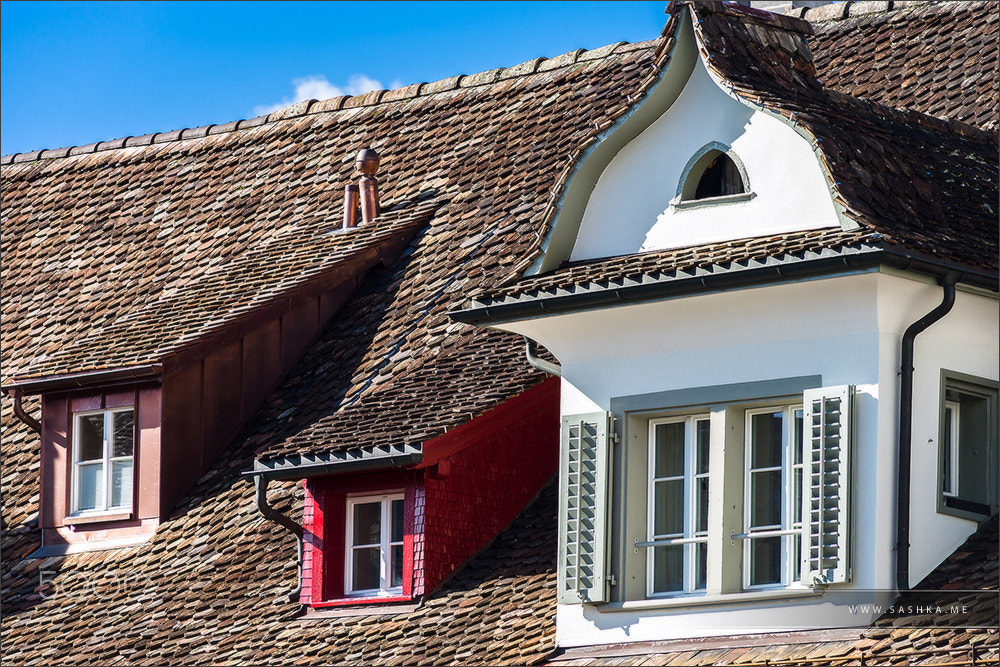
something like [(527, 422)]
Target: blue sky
[(78, 72)]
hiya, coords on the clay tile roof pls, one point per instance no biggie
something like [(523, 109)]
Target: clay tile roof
[(923, 183), (199, 298), (907, 179), (210, 586), (940, 59)]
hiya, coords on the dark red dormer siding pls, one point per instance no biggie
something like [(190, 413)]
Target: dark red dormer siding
[(472, 483)]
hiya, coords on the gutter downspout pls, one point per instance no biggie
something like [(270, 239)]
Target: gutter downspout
[(906, 429), (32, 423), (531, 352), (260, 482)]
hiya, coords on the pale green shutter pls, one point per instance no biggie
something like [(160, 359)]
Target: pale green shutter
[(583, 502), (826, 504)]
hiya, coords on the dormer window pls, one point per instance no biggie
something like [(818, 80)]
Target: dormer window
[(714, 174), (103, 449)]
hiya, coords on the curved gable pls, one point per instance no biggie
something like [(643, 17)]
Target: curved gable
[(635, 205)]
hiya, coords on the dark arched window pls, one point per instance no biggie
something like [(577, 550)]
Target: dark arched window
[(713, 172), (721, 177)]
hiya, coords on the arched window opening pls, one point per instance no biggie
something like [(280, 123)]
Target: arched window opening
[(713, 172), (721, 177)]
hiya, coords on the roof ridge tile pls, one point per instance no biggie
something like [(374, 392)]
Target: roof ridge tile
[(312, 106)]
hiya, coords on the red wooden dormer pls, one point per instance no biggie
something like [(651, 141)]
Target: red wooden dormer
[(394, 533)]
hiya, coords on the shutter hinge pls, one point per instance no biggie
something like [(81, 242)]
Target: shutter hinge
[(611, 579), (615, 438)]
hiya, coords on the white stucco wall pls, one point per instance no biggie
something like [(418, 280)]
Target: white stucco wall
[(847, 330), (965, 340), (629, 209)]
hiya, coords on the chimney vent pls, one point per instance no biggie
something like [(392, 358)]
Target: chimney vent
[(367, 164), (366, 190)]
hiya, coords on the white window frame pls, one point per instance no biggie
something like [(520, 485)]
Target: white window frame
[(790, 554), (690, 538), (950, 483), (106, 461), (385, 544)]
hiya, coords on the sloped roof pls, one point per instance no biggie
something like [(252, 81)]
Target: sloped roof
[(210, 585), (210, 588), (908, 180), (184, 304), (940, 59)]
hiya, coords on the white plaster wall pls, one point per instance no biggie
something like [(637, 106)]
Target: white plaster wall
[(967, 341), (847, 330), (629, 209)]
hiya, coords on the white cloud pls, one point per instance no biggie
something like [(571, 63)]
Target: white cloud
[(318, 88)]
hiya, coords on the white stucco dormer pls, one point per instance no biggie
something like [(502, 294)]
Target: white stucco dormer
[(626, 193)]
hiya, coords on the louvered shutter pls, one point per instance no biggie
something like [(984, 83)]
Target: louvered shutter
[(583, 503), (826, 503)]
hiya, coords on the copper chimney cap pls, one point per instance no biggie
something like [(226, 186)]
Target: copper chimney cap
[(367, 161)]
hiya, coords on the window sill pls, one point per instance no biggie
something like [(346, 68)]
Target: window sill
[(704, 600), (371, 606), (103, 517), (366, 600), (680, 205)]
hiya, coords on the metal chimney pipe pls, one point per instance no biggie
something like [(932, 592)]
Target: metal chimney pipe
[(350, 205), (367, 164)]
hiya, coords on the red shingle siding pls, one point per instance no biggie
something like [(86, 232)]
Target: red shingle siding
[(476, 492)]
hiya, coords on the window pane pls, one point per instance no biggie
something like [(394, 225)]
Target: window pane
[(701, 565), (91, 437), (397, 521), (765, 561), (669, 450), (701, 489), (946, 472), (765, 498), (766, 440), (797, 437), (668, 569), (123, 433), (367, 524), (366, 569), (90, 489), (702, 440), (121, 483), (668, 511), (396, 579), (797, 496)]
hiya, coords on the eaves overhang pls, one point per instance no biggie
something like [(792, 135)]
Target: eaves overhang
[(300, 466), (85, 379), (827, 262)]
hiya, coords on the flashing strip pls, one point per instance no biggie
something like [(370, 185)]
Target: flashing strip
[(85, 379), (300, 466), (826, 262)]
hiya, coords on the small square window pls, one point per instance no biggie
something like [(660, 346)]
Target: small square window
[(374, 558), (103, 456), (968, 460)]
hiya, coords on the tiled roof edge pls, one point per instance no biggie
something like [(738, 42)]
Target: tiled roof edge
[(661, 56), (841, 11), (307, 107)]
